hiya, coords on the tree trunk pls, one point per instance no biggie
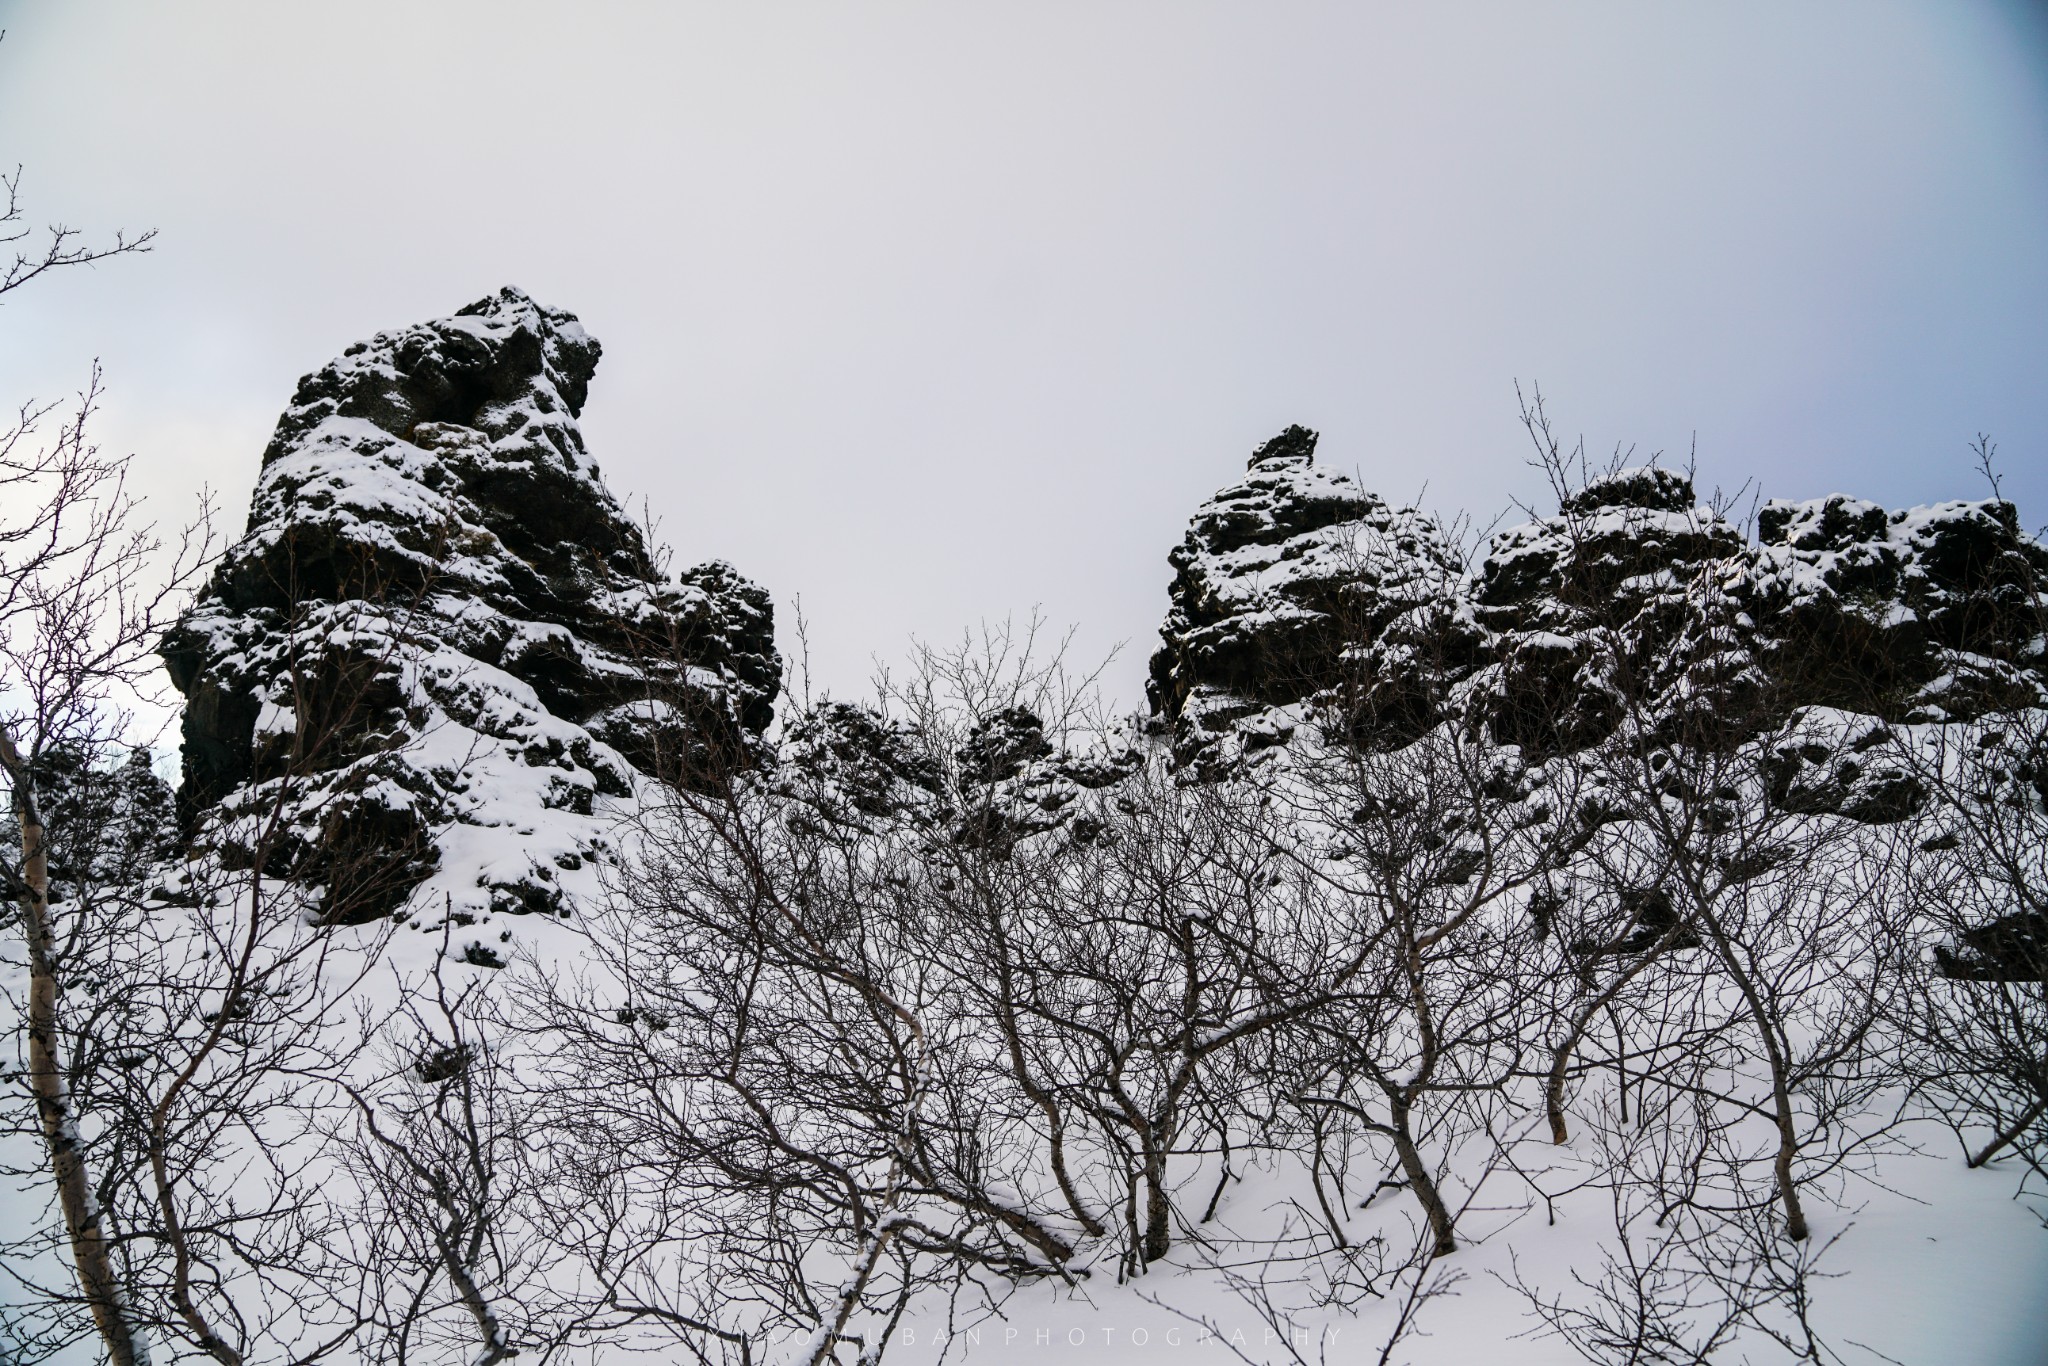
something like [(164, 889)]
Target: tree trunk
[(1788, 1149), (497, 1344), (89, 1253), (1419, 1179), (1560, 1066), (1781, 1087), (1158, 1210)]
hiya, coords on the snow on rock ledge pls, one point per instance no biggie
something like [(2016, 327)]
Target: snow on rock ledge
[(441, 642), (1279, 575), (1298, 597)]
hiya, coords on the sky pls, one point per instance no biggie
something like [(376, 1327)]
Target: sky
[(930, 315)]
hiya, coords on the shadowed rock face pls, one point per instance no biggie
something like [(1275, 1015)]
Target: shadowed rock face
[(1279, 576), (1297, 594), (2012, 948), (439, 620)]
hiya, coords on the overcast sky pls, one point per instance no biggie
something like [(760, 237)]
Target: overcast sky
[(929, 314)]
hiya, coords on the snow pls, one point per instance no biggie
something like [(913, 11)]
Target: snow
[(1922, 1260), (1935, 1265)]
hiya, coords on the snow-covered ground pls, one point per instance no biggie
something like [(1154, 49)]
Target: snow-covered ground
[(1933, 1264), (1927, 1262)]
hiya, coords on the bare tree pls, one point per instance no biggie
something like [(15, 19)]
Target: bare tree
[(1975, 1026), (746, 1051), (205, 1017), (1427, 1032), (80, 607), (1118, 962), (1693, 1269), (62, 246), (1975, 1020), (440, 1145), (1792, 910)]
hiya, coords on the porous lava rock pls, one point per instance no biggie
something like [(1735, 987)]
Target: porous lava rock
[(1299, 595), (1280, 575), (1923, 614), (108, 824), (847, 767), (441, 641)]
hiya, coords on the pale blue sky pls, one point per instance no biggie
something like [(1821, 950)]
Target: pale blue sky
[(930, 313)]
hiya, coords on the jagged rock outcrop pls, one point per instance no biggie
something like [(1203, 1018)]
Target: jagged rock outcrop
[(441, 643), (1279, 576), (855, 768), (1591, 609), (109, 825), (1298, 593), (441, 640), (1014, 782), (2012, 948), (1926, 614), (847, 766)]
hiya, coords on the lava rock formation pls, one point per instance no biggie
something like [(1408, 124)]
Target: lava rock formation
[(441, 640)]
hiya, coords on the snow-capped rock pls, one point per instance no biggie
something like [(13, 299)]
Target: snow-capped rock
[(1300, 598), (1936, 612), (441, 640), (1280, 574)]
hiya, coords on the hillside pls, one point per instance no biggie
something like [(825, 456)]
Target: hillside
[(1623, 939)]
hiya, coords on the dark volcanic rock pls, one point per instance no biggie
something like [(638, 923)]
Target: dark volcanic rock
[(1280, 574), (846, 766), (1928, 614), (1589, 610), (1296, 593), (2012, 948), (853, 767), (108, 825), (441, 639)]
